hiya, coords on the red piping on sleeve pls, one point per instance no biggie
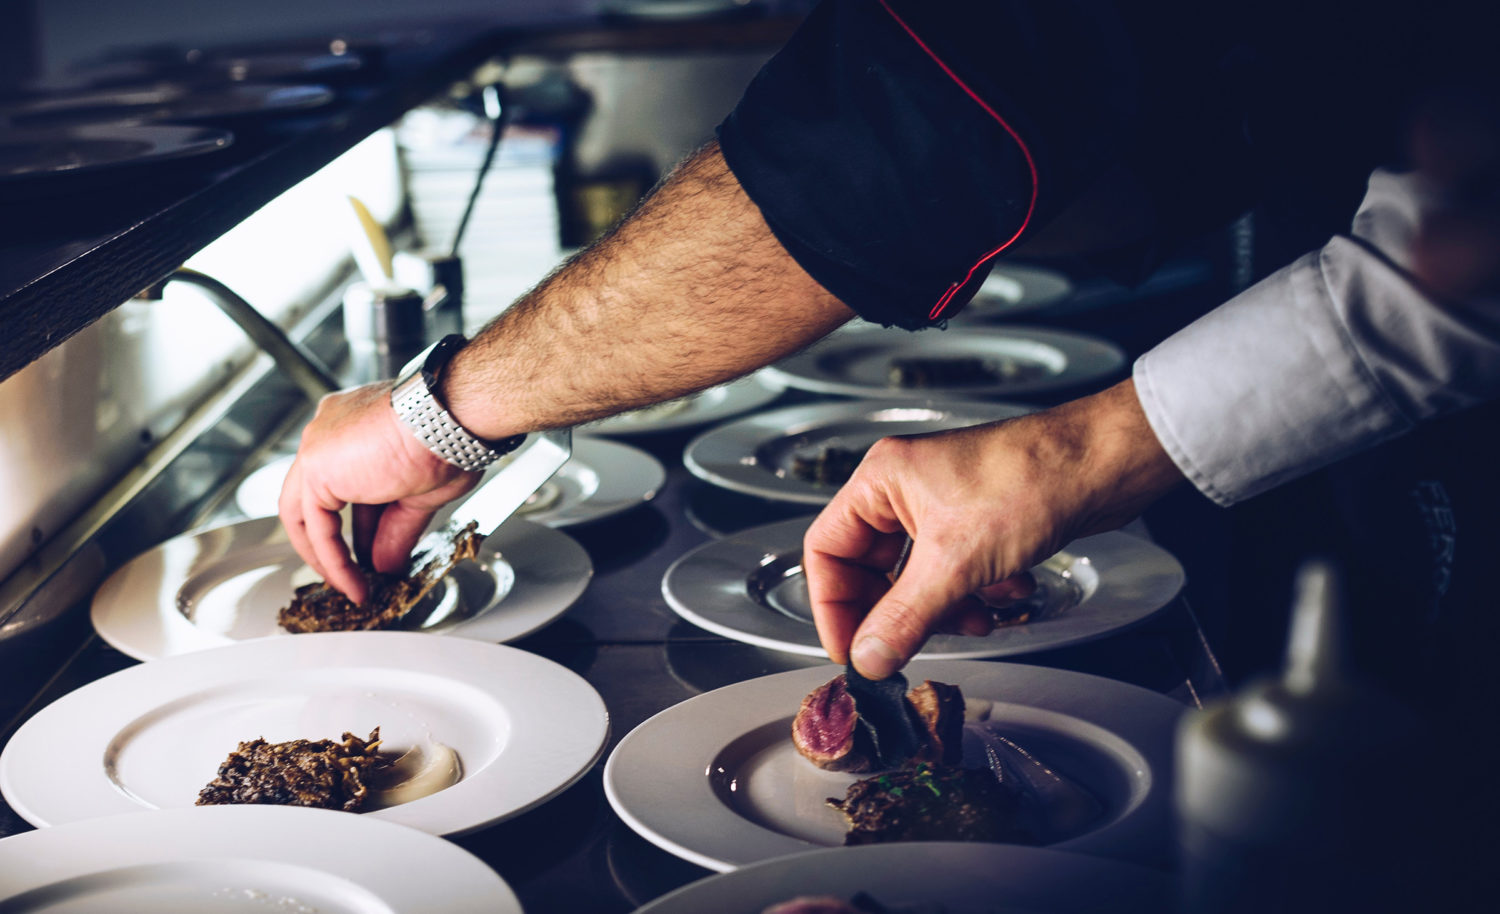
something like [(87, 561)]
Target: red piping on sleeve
[(942, 303)]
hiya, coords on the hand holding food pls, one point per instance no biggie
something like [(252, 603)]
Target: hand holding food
[(356, 452), (390, 597), (981, 506)]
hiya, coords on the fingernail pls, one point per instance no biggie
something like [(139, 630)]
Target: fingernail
[(874, 658)]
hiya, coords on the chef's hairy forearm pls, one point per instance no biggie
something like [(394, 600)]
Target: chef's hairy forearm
[(691, 290)]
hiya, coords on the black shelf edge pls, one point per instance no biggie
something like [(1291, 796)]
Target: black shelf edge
[(67, 260)]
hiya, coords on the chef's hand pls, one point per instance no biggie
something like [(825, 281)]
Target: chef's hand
[(982, 505), (356, 452)]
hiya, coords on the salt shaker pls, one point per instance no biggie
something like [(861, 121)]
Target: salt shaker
[(1294, 794)]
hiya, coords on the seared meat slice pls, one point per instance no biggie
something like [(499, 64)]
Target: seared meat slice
[(813, 904), (926, 803), (859, 904), (826, 729), (320, 608), (322, 773), (855, 724), (940, 707)]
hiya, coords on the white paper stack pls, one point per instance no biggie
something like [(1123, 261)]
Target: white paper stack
[(511, 241)]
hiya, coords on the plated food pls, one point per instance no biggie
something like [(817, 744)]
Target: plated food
[(749, 587), (317, 607), (154, 735), (214, 587), (975, 362), (717, 779), (803, 454)]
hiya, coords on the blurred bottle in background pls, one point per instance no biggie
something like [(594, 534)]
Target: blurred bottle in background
[(1306, 791)]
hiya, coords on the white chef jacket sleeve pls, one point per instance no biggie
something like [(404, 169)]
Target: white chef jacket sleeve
[(1338, 351)]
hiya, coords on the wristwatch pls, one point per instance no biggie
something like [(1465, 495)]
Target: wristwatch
[(415, 400)]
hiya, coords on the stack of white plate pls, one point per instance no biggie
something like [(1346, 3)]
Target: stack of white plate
[(512, 238)]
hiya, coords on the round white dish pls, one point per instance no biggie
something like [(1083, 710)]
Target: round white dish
[(962, 878), (716, 780), (214, 587), (1013, 289), (602, 478), (749, 587), (857, 363), (712, 405), (754, 455), (244, 858), (152, 736)]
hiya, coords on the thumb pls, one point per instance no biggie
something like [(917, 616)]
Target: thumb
[(901, 621)]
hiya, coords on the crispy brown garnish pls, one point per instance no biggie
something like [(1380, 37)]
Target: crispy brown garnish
[(322, 773), (320, 608), (932, 803)]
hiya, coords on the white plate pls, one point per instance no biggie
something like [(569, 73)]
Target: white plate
[(717, 781), (244, 858), (857, 363), (749, 587), (754, 454), (151, 736), (962, 878), (601, 479), (214, 587), (1013, 289), (712, 405)]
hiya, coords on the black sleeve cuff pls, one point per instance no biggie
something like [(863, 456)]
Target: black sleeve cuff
[(895, 148)]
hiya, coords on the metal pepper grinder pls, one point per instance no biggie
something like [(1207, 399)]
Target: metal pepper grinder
[(1295, 794)]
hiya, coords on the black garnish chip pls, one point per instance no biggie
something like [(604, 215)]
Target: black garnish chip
[(886, 717)]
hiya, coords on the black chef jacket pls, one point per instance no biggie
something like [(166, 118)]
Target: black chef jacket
[(898, 147)]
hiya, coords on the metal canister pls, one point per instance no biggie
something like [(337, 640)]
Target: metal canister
[(386, 328)]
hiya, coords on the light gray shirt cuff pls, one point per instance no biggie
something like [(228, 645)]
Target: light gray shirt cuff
[(1329, 356)]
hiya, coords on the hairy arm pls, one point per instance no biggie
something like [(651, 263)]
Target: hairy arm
[(691, 290)]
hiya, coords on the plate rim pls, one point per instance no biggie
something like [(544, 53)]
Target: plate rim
[(513, 533), (760, 388), (92, 106), (276, 834), (448, 812), (996, 313), (191, 140), (584, 446), (1010, 642), (693, 458), (1054, 690), (976, 860), (1110, 356)]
